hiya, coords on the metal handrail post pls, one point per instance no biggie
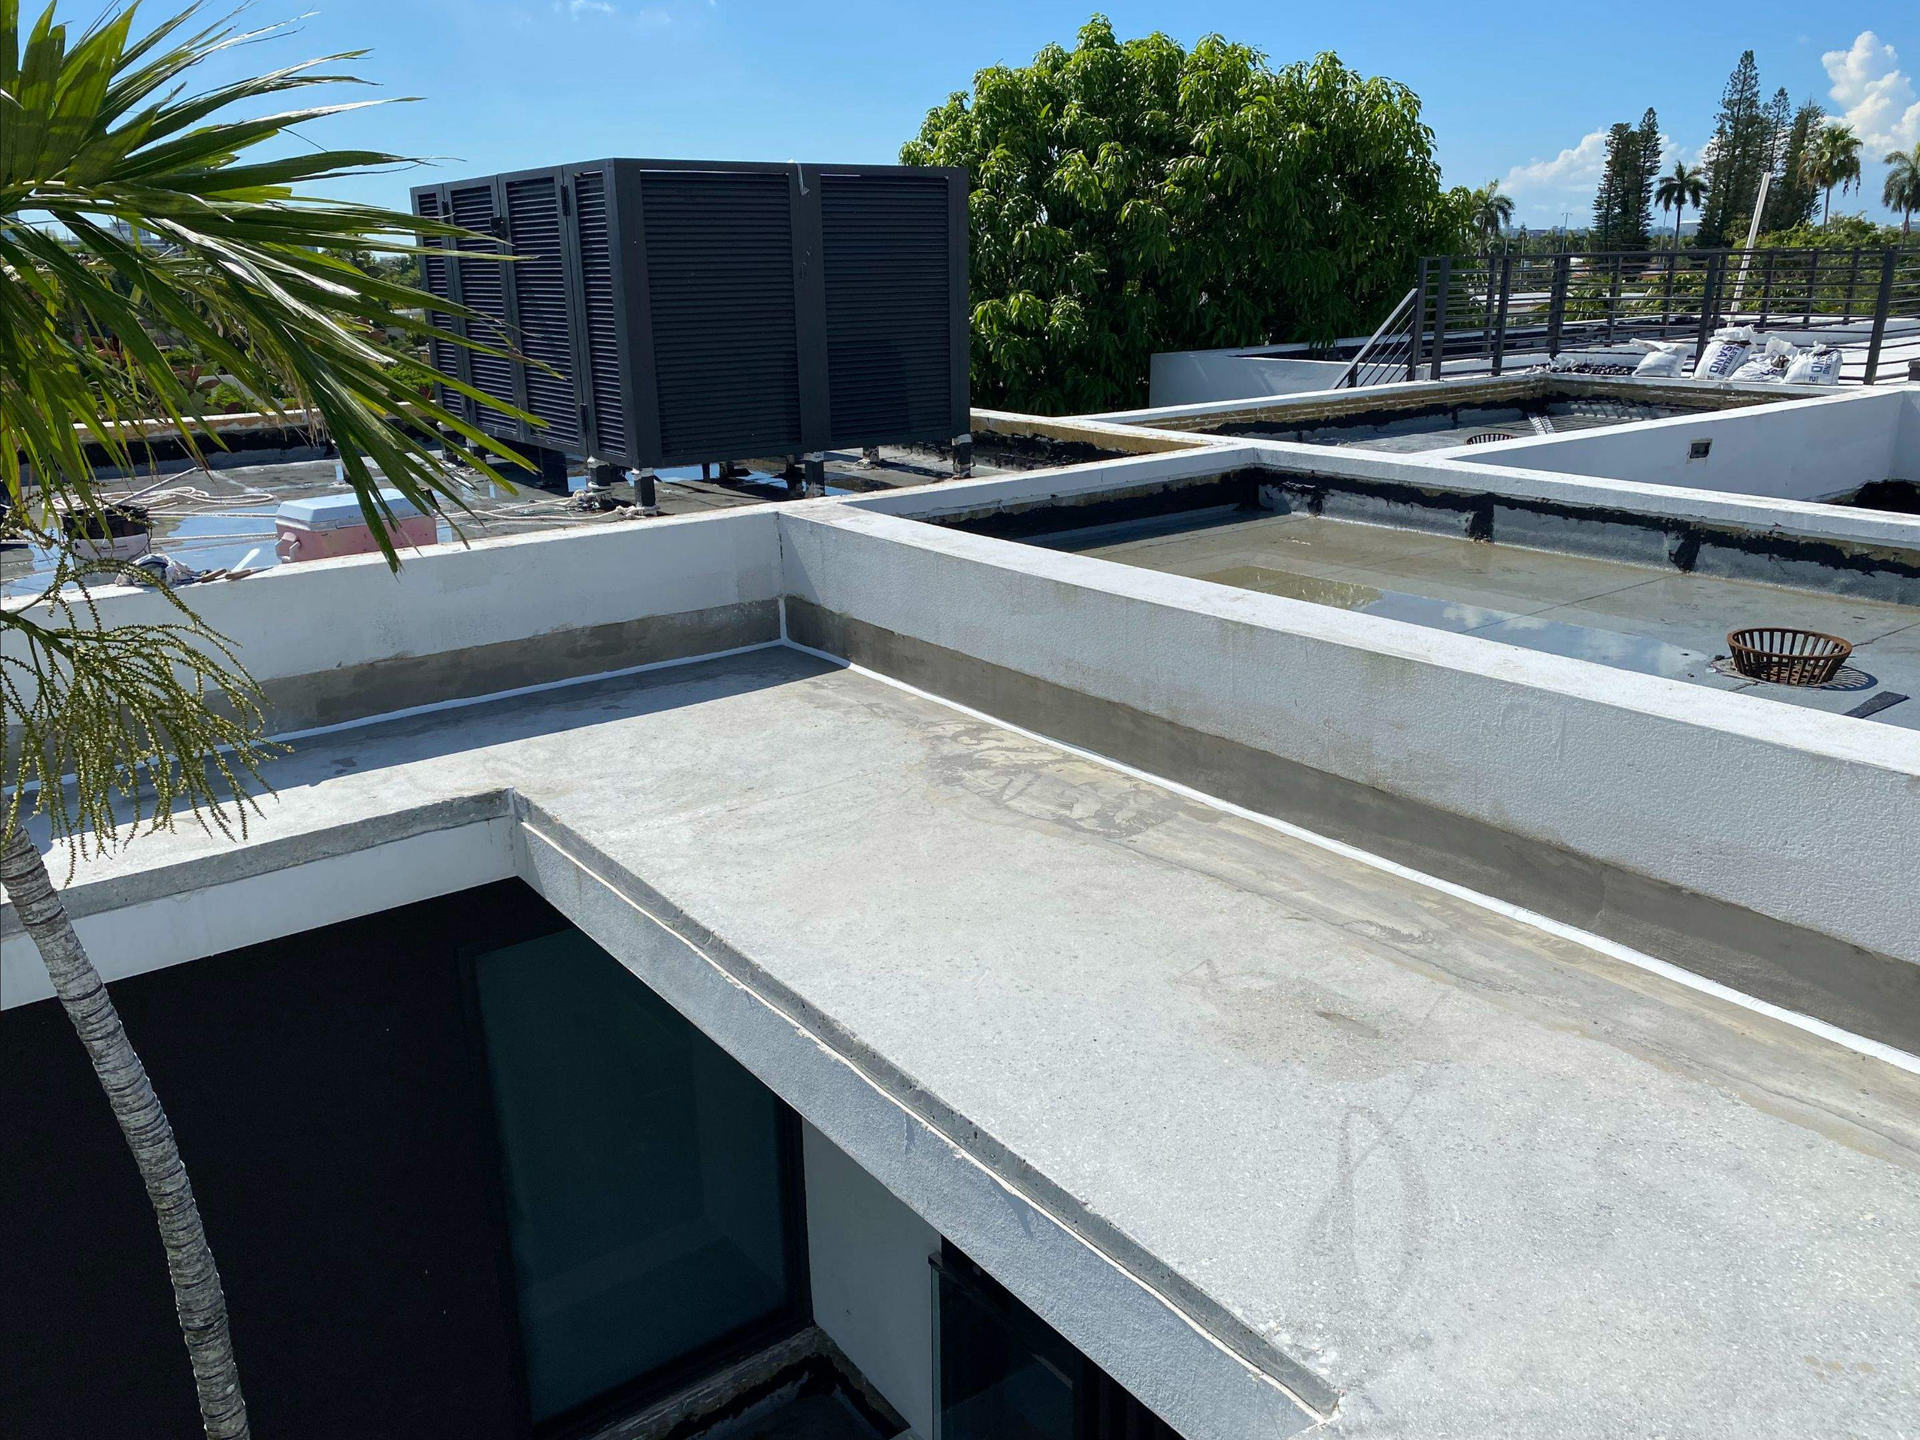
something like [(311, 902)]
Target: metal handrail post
[(1882, 303), (1613, 296), (1500, 323), (1557, 303), (1444, 302), (1710, 297), (1419, 324)]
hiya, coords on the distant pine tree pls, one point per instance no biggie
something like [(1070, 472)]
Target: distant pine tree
[(1647, 154), (1620, 213), (1793, 198), (1737, 157)]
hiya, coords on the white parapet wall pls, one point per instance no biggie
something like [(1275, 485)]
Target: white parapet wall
[(331, 640), (1800, 450), (1187, 377), (1789, 813)]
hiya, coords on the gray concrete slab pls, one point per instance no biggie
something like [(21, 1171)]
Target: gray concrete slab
[(1478, 1179)]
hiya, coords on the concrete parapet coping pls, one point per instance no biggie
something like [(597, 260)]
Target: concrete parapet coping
[(1799, 519), (1718, 794)]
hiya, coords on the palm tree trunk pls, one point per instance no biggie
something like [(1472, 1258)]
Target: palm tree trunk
[(196, 1283)]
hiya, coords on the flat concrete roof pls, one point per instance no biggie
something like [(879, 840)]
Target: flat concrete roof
[(1442, 1173)]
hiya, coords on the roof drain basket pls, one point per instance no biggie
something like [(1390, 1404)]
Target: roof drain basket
[(1784, 656)]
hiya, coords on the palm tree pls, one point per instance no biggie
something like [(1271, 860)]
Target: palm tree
[(1491, 211), (1682, 188), (1902, 190), (1833, 158), (165, 226)]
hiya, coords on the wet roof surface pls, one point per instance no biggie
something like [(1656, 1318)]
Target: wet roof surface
[(1633, 617), (1481, 1179)]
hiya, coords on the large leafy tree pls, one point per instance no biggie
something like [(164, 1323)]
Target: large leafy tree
[(1134, 196), (138, 210)]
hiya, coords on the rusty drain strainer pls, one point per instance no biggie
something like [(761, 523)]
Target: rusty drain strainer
[(1785, 656)]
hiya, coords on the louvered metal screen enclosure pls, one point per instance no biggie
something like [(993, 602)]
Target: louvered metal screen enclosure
[(682, 311)]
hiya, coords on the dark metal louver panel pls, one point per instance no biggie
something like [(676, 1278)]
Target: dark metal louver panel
[(443, 355), (687, 311), (720, 281), (603, 335), (888, 308), (483, 288), (539, 279)]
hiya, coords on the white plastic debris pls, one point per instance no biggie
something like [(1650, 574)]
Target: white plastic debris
[(166, 570)]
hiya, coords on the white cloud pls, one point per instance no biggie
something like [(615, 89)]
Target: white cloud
[(1544, 190), (653, 17), (1873, 94), (1575, 168)]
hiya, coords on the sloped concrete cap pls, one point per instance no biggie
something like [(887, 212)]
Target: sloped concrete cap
[(1444, 1175)]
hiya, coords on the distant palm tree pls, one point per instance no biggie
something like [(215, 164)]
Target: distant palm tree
[(1491, 211), (1902, 190), (1833, 158), (1682, 188)]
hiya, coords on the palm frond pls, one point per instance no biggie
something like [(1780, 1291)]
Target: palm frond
[(136, 216), (165, 226)]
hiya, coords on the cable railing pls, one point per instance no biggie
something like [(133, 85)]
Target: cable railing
[(1490, 313)]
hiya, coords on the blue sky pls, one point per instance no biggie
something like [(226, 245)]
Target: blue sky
[(515, 83)]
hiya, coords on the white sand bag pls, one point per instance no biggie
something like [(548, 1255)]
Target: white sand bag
[(1665, 358), (1726, 352), (1818, 366)]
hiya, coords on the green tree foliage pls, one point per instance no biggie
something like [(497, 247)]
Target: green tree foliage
[(1902, 188), (1623, 205), (1678, 189), (1793, 198), (1736, 158), (1491, 210), (1832, 159), (1136, 196), (1647, 144), (1842, 232)]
